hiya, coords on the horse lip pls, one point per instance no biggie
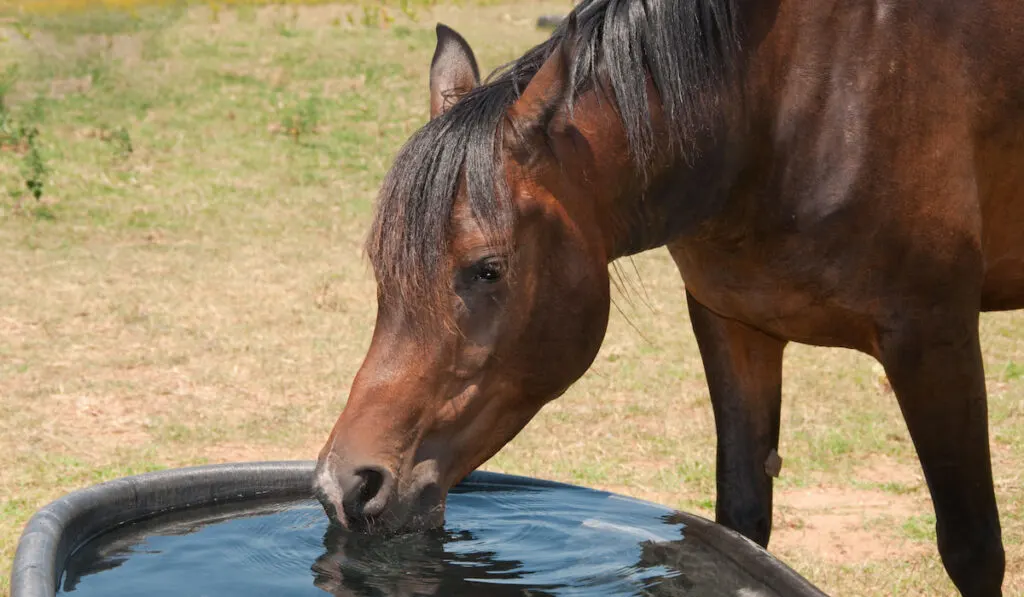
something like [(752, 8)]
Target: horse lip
[(414, 522), (422, 510), (430, 497), (429, 509)]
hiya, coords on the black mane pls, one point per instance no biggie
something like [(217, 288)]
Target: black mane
[(686, 46)]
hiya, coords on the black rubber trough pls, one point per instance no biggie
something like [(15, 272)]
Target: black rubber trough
[(55, 532)]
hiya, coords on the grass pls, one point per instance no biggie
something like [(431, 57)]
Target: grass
[(195, 290)]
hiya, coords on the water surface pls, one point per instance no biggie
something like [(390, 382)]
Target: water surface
[(498, 540)]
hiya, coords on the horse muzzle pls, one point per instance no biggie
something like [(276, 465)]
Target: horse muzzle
[(368, 497)]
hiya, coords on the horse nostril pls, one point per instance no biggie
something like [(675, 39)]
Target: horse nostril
[(373, 480), (367, 491)]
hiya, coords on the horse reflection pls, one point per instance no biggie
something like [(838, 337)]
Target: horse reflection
[(414, 565)]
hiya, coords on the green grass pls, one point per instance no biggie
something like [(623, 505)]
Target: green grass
[(920, 528), (194, 289)]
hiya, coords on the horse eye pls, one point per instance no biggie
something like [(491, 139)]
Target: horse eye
[(487, 271)]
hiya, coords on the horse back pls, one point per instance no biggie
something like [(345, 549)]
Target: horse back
[(905, 119)]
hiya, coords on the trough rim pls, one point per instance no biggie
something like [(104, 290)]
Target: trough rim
[(55, 531)]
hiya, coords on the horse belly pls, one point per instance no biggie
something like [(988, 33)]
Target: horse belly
[(746, 288), (1000, 165)]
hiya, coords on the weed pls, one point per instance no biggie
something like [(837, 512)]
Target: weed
[(34, 168), (407, 9), (301, 120), (920, 528), (377, 16), (120, 140), (21, 136), (1013, 371)]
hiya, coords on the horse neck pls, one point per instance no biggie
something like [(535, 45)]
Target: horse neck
[(636, 207)]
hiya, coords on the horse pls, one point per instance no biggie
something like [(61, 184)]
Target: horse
[(843, 173)]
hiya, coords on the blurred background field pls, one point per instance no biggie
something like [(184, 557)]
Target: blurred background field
[(184, 192)]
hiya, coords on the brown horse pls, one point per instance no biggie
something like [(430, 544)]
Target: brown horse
[(831, 172)]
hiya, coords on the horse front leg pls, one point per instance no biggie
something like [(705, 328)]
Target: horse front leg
[(744, 372), (935, 367)]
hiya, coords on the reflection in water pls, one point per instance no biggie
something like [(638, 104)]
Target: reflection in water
[(411, 565), (499, 540)]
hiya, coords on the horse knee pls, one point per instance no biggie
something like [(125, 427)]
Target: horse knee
[(975, 560)]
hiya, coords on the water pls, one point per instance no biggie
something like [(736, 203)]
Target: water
[(498, 540)]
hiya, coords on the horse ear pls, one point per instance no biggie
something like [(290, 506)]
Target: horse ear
[(453, 70), (551, 84)]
